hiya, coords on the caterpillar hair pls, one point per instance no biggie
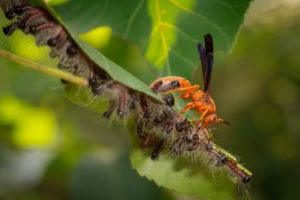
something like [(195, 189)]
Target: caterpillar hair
[(158, 126)]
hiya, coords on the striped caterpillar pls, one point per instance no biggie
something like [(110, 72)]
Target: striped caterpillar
[(158, 125)]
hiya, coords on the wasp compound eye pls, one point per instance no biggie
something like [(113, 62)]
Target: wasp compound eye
[(175, 84)]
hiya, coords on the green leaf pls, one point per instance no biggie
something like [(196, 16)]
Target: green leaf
[(109, 176), (184, 178), (167, 31), (121, 16), (114, 70)]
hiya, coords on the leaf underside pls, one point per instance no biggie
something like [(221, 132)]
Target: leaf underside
[(114, 70), (183, 177), (167, 31)]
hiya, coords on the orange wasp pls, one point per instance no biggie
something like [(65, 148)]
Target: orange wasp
[(201, 100)]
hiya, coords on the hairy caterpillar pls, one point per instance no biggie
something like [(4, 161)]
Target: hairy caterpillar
[(158, 125)]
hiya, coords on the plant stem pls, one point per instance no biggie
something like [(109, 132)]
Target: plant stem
[(44, 69)]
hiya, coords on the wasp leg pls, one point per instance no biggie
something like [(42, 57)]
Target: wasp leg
[(190, 88), (188, 107), (186, 93), (202, 116)]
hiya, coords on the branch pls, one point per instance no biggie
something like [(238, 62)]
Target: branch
[(44, 69)]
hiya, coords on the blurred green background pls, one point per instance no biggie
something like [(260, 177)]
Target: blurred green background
[(51, 148)]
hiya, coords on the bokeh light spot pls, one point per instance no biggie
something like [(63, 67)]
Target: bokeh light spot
[(98, 37), (34, 127)]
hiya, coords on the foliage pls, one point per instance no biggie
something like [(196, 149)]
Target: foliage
[(169, 33), (167, 37)]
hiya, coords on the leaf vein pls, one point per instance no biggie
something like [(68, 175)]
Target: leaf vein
[(171, 26), (215, 26), (133, 17), (233, 11), (161, 33)]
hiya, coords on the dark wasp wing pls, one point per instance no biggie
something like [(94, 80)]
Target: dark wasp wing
[(202, 55), (206, 57)]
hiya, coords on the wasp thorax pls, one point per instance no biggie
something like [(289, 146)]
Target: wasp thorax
[(175, 84)]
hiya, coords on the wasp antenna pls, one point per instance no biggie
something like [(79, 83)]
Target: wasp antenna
[(226, 122)]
